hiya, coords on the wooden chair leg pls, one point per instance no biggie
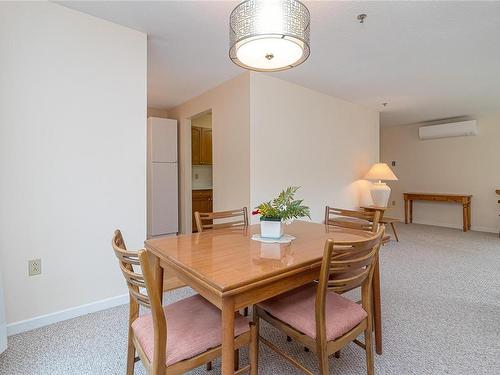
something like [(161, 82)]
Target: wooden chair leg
[(337, 354), (394, 231), (376, 308), (369, 350), (209, 366), (323, 361), (130, 354), (306, 349), (254, 348), (236, 359)]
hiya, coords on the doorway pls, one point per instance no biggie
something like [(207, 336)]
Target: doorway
[(201, 164)]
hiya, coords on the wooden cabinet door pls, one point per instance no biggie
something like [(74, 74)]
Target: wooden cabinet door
[(210, 202), (206, 146), (195, 145), (202, 202), (197, 206)]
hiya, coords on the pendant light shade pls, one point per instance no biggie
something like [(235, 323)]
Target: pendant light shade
[(269, 35)]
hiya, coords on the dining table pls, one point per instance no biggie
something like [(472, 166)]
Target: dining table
[(232, 270)]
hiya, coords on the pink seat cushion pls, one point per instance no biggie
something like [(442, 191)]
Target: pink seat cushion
[(297, 309), (193, 327)]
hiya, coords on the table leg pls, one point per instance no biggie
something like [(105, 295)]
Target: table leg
[(465, 215), (158, 274), (406, 211), (377, 311), (227, 336), (468, 214), (394, 231), (411, 211)]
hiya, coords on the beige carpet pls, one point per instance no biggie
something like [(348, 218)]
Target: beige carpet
[(441, 315)]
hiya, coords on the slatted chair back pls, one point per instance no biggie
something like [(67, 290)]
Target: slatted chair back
[(355, 261), (222, 219), (362, 220), (142, 291), (135, 280)]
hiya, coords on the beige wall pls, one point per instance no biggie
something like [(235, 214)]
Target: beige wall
[(305, 138), (230, 105), (450, 165), (269, 134), (157, 112), (70, 177)]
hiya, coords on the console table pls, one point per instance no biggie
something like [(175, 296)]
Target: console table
[(463, 199)]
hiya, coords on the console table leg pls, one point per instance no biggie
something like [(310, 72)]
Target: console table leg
[(468, 216), (406, 211), (465, 216), (411, 211)]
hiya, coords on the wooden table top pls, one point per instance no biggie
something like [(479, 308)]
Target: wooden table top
[(372, 207), (440, 194), (228, 258)]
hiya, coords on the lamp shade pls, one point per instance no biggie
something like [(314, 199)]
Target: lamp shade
[(269, 35), (379, 172)]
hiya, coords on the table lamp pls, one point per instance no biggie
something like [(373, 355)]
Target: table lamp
[(380, 191)]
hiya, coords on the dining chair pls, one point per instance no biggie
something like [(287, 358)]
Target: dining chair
[(193, 337), (362, 220), (369, 220), (206, 220), (317, 316)]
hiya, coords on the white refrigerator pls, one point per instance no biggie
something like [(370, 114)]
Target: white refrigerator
[(163, 192)]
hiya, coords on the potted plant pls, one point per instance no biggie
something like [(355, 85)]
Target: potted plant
[(283, 208)]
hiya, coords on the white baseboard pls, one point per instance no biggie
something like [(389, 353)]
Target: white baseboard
[(59, 316), (454, 226), (3, 337)]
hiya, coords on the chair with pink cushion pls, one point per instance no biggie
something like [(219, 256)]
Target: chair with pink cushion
[(317, 316), (179, 337)]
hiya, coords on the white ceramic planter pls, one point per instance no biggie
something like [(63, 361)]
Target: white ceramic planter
[(271, 229)]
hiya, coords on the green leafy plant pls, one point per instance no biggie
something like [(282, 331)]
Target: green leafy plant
[(283, 208)]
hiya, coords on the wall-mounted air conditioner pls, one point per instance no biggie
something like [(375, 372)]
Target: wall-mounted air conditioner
[(452, 129)]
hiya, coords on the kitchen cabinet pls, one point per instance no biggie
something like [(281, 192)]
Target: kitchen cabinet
[(201, 146), (202, 202), (195, 145), (206, 146)]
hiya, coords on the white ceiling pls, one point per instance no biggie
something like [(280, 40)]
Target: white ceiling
[(428, 60)]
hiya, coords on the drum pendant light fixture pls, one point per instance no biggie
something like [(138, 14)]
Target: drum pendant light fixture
[(269, 35)]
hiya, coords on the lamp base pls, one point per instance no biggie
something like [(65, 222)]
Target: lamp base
[(380, 194)]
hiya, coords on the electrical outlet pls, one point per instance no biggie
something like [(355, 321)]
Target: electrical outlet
[(34, 267), (196, 176)]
